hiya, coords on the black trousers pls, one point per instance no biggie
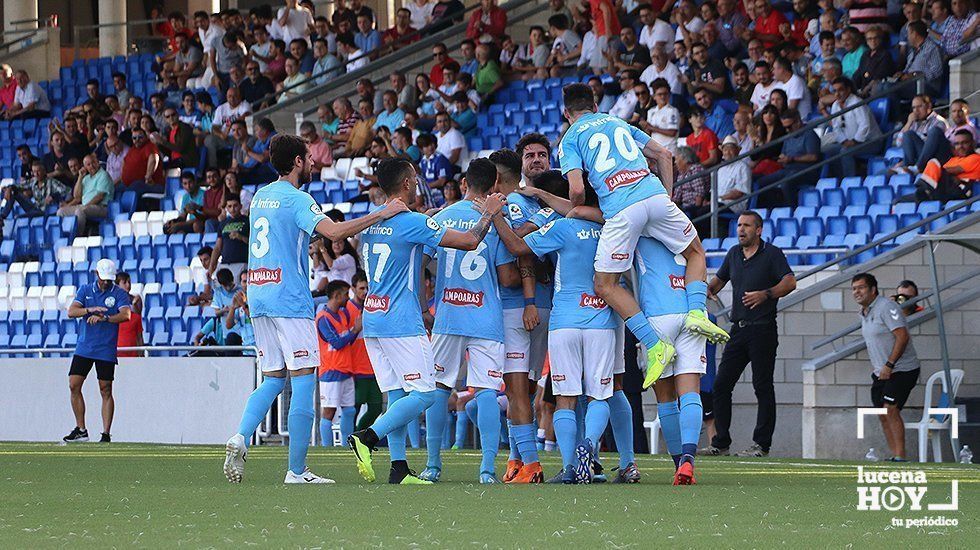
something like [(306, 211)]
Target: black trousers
[(754, 344)]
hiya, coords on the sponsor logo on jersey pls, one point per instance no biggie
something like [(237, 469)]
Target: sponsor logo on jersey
[(620, 255), (373, 303), (546, 228), (110, 301), (687, 230), (557, 377), (588, 233), (515, 355), (379, 230), (462, 297), (625, 178), (265, 276), (605, 381), (432, 224), (677, 282), (412, 376), (515, 212), (495, 373), (589, 300), (315, 208), (258, 203), (300, 353)]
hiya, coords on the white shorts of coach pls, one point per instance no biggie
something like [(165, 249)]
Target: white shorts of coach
[(484, 359), (286, 342), (655, 217), (525, 351), (582, 361), (402, 363), (690, 358), (337, 394)]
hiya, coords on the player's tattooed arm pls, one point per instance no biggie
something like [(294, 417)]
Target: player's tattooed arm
[(469, 240), (341, 230), (558, 204), (515, 245)]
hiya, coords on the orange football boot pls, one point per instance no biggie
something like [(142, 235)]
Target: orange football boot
[(513, 468), (529, 473)]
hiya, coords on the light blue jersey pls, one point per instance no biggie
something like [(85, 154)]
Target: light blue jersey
[(391, 251), (282, 219), (611, 151), (661, 275), (544, 216), (467, 292), (575, 304), (521, 209)]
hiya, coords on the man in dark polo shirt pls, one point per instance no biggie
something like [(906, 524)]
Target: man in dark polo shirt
[(760, 276), (102, 306)]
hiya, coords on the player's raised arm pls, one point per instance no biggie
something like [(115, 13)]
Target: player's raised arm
[(515, 245), (576, 188), (341, 230), (469, 240), (589, 213)]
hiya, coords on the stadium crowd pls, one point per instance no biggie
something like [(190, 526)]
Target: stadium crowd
[(708, 81)]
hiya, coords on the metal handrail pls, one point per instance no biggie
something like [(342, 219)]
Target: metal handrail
[(76, 30), (920, 298), (28, 37), (875, 242)]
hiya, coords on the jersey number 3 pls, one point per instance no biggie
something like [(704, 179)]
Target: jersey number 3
[(261, 231), (625, 146)]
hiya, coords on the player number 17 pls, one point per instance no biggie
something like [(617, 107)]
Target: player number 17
[(383, 251)]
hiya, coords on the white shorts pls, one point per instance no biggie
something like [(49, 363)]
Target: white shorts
[(402, 363), (525, 351), (485, 359), (690, 357), (619, 359), (582, 359), (286, 342), (337, 394), (655, 217)]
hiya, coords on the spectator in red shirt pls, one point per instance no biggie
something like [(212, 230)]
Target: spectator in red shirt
[(214, 197), (487, 23), (702, 140), (402, 34), (142, 169), (767, 24), (8, 86), (440, 57), (131, 331)]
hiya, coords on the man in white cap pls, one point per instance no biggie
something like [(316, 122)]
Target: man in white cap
[(735, 179), (102, 305)]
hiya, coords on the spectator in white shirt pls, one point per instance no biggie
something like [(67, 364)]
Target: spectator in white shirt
[(355, 57), (764, 85), (654, 31), (848, 131), (296, 22), (30, 100), (794, 86), (663, 120), (735, 179), (626, 102), (662, 68), (115, 155), (451, 143)]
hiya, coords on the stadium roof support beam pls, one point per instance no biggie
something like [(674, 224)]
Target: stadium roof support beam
[(112, 28)]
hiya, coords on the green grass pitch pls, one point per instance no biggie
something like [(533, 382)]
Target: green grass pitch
[(93, 495)]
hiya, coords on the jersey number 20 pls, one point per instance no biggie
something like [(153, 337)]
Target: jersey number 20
[(625, 146)]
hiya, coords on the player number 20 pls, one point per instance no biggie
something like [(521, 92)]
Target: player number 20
[(625, 146), (261, 232), (382, 251), (473, 265)]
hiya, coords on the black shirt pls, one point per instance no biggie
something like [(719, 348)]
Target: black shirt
[(712, 70), (53, 162), (234, 251), (254, 92), (763, 270), (638, 55)]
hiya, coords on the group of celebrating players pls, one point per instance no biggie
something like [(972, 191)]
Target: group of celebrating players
[(493, 315)]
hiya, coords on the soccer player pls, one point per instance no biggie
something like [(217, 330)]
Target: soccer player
[(393, 329), (366, 391), (523, 312), (679, 389), (337, 330), (634, 203), (469, 323), (282, 218)]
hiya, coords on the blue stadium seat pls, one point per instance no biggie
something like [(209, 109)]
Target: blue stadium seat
[(928, 208), (848, 183), (858, 196), (855, 210), (862, 224), (880, 109), (898, 180), (787, 227), (826, 183), (809, 197), (828, 211), (855, 241), (832, 197), (836, 225), (882, 194), (874, 180), (812, 226), (905, 220)]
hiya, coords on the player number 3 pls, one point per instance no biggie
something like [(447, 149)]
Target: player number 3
[(625, 146), (261, 233)]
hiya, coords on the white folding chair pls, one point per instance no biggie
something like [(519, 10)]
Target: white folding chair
[(930, 425), (654, 427)]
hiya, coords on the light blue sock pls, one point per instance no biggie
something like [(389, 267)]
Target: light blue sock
[(690, 417), (258, 405), (414, 429), (347, 416), (515, 453), (596, 420), (396, 433), (402, 409), (447, 431), (621, 418), (643, 330), (669, 416), (471, 407), (435, 425), (300, 420), (580, 408), (565, 432), (527, 442), (326, 432), (488, 422), (697, 293), (462, 422)]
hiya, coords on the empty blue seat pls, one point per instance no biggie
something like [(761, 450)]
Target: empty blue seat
[(898, 180), (828, 211), (862, 224), (832, 197), (928, 208), (882, 194), (812, 226), (809, 197), (787, 227), (848, 183), (836, 225), (906, 220), (858, 196), (826, 183)]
